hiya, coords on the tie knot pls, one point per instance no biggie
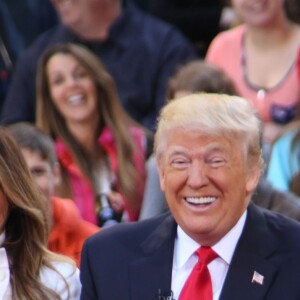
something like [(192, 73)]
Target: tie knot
[(206, 255)]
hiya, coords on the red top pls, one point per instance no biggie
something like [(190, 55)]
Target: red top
[(69, 231)]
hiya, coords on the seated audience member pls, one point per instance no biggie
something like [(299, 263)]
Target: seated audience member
[(260, 57), (200, 76), (28, 270), (139, 51), (272, 198), (208, 153), (10, 47), (284, 165), (101, 150), (67, 230), (154, 202)]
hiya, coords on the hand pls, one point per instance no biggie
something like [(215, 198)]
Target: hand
[(116, 201)]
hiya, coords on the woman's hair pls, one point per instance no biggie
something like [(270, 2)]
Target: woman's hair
[(200, 76), (212, 114), (292, 9), (110, 111), (26, 230)]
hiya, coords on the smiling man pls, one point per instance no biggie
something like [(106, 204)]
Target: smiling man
[(214, 244)]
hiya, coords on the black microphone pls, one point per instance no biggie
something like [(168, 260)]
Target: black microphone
[(106, 215), (165, 295)]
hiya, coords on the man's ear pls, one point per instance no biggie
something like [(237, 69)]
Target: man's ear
[(161, 175), (253, 178), (56, 174)]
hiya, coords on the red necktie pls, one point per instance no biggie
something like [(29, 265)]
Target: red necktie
[(198, 285)]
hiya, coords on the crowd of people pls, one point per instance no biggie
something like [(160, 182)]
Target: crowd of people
[(149, 149)]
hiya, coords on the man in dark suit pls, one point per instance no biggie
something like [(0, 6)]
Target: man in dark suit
[(208, 153)]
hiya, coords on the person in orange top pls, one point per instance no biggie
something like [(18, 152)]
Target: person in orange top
[(68, 230)]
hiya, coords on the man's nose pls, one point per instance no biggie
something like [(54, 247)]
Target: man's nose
[(197, 175)]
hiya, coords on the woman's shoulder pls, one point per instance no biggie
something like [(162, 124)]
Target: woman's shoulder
[(231, 35), (63, 278), (228, 42)]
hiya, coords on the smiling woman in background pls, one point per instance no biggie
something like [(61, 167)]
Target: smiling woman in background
[(100, 148), (28, 270), (260, 57)]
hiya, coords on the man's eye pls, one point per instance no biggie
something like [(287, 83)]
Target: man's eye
[(179, 163), (216, 162)]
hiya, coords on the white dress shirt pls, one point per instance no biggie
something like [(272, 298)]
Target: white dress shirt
[(184, 258), (49, 277)]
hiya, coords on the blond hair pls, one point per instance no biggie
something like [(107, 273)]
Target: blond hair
[(212, 114)]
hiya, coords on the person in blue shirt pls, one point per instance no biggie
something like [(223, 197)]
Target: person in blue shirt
[(139, 51), (284, 165)]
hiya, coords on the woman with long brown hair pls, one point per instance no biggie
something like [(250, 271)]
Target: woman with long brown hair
[(28, 270), (100, 148)]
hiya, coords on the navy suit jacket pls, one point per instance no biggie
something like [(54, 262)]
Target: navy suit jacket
[(134, 261)]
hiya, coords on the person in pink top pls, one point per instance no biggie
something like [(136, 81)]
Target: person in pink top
[(260, 57), (101, 150)]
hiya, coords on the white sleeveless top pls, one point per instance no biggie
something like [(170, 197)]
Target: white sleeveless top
[(49, 277)]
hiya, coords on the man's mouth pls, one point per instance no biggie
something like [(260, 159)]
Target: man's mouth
[(200, 200)]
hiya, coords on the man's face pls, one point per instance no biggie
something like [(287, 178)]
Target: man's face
[(75, 12), (68, 10), (206, 183), (41, 171)]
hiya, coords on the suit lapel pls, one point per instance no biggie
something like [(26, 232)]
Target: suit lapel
[(150, 275), (250, 274)]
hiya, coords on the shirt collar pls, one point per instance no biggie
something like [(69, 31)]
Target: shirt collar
[(185, 246)]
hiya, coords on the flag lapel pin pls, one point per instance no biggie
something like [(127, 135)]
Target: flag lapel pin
[(257, 278)]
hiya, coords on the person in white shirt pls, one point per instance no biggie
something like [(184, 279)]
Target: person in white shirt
[(208, 153), (27, 269)]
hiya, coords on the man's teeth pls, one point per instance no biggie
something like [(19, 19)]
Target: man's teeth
[(201, 200)]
